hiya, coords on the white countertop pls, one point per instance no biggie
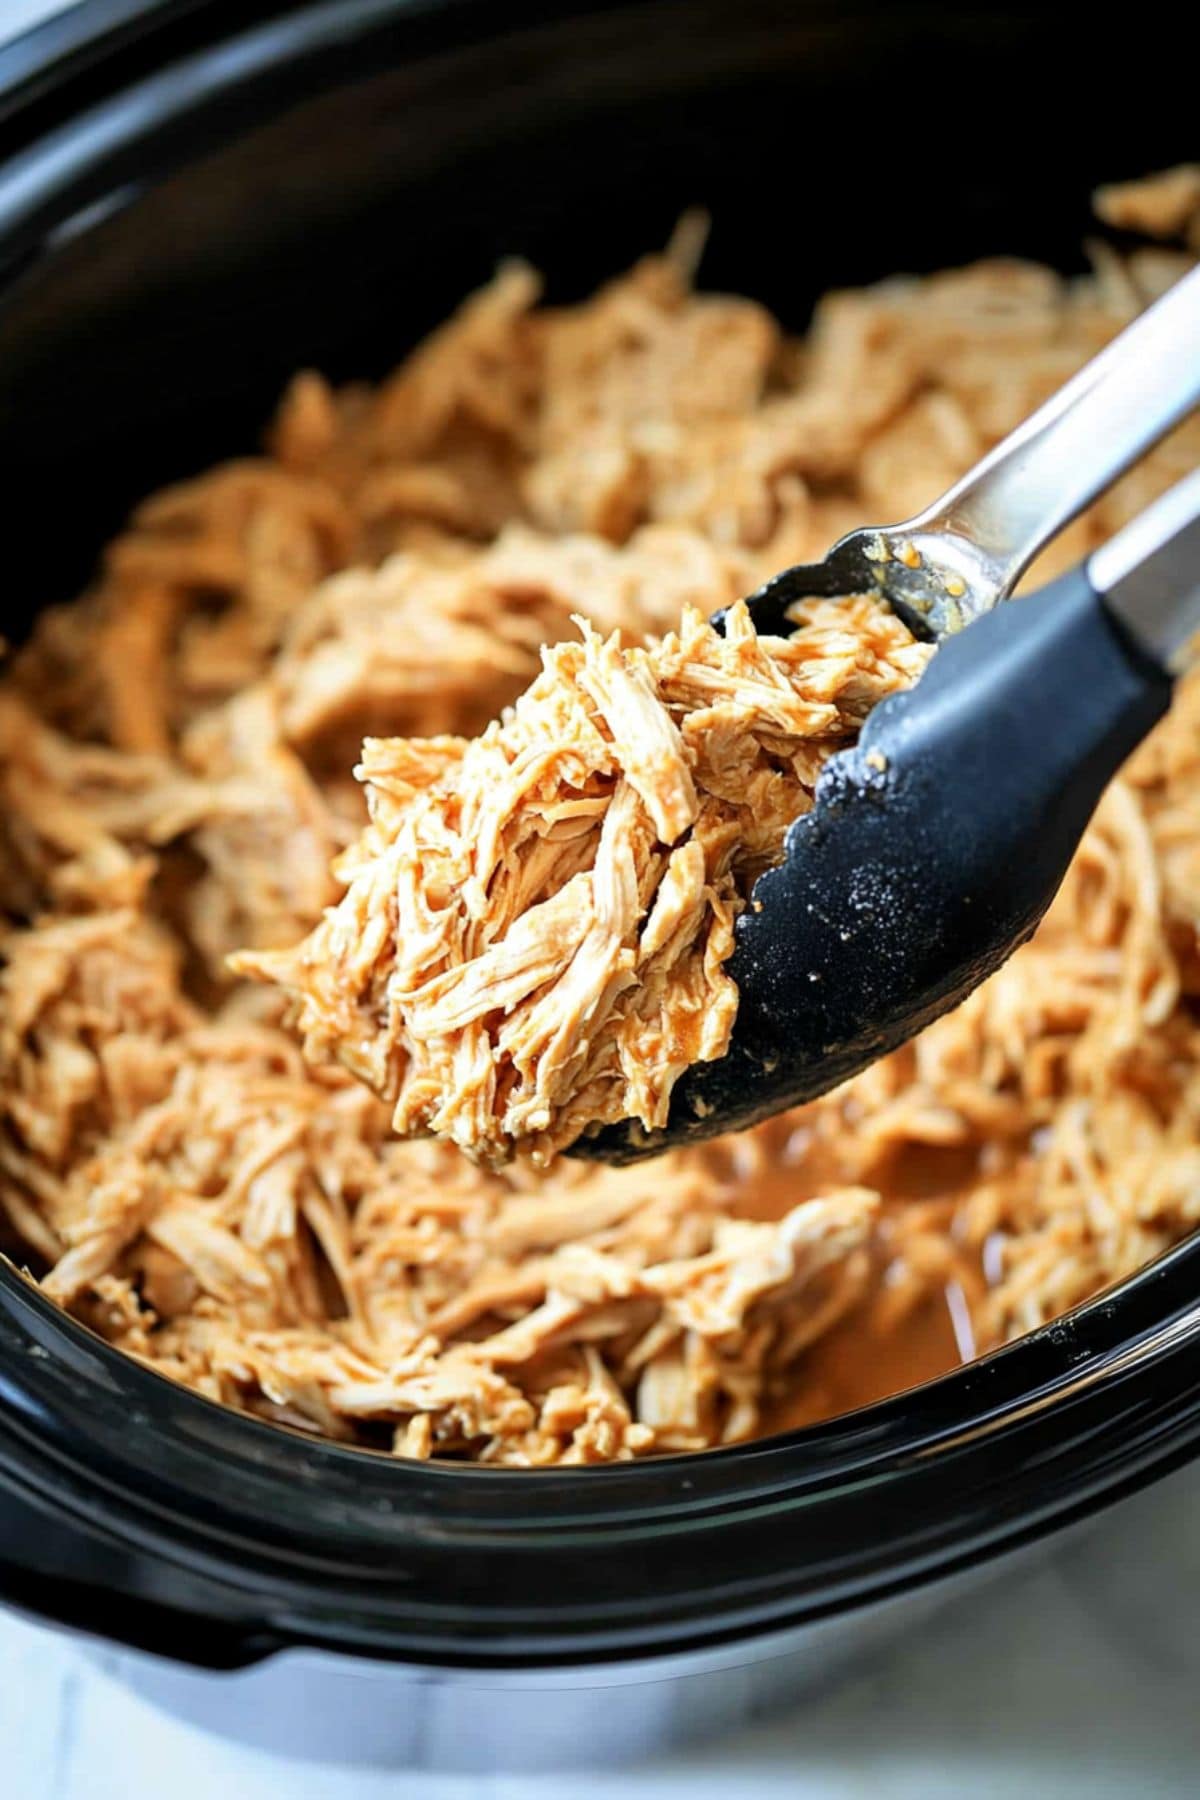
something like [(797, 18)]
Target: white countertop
[(1081, 1678)]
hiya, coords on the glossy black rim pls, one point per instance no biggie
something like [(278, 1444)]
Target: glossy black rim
[(306, 1542), (263, 1538)]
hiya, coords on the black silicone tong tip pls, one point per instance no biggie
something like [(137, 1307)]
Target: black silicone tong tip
[(933, 848), (844, 572)]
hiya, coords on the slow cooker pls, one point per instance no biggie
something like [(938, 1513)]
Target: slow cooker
[(199, 198)]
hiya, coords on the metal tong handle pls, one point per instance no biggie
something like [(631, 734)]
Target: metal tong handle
[(1149, 575), (1068, 452)]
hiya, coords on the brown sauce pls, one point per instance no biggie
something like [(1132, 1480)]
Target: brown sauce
[(856, 1362), (864, 1357)]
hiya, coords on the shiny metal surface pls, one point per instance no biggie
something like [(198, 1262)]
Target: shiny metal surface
[(967, 551), (1149, 575), (366, 1712)]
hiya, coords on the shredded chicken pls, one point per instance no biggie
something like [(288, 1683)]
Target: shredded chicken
[(175, 749), (535, 923), (1161, 206)]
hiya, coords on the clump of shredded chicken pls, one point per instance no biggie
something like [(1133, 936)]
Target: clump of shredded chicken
[(536, 921), (175, 749)]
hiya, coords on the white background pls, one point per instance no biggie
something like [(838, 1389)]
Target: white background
[(1081, 1679)]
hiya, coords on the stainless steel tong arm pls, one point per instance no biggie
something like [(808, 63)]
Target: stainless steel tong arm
[(1149, 575), (1021, 496)]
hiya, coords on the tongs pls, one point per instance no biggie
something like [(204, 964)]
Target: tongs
[(935, 845)]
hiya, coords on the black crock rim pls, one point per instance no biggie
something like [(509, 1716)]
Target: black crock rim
[(300, 1541)]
